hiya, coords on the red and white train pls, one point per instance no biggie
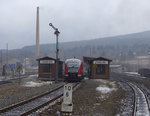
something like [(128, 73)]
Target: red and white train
[(73, 70)]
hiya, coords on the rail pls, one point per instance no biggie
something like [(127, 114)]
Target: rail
[(31, 105), (141, 101)]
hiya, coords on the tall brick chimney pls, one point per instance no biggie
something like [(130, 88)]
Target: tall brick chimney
[(37, 49)]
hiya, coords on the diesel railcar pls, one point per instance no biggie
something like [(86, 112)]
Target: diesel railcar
[(73, 70)]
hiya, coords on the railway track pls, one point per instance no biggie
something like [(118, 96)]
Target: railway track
[(141, 101), (5, 81), (26, 107)]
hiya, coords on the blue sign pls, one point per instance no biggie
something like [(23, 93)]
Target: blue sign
[(12, 66)]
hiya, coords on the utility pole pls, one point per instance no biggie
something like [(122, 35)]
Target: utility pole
[(7, 54), (149, 58), (57, 50), (1, 60), (6, 66)]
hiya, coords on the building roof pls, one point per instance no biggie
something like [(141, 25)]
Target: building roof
[(45, 58), (115, 66), (102, 58), (90, 59)]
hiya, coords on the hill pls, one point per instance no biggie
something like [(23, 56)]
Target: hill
[(116, 47), (129, 40)]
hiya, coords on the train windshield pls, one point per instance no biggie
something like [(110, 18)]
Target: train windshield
[(73, 66), (73, 69)]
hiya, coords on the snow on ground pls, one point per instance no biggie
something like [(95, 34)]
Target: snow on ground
[(105, 90), (86, 78), (35, 84), (136, 74), (101, 80), (33, 75), (106, 86), (143, 77)]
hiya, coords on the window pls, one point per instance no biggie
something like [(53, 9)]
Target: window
[(100, 69), (73, 69), (45, 68)]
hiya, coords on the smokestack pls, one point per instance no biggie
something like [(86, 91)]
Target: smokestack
[(37, 49)]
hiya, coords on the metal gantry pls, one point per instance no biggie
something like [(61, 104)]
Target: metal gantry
[(57, 49)]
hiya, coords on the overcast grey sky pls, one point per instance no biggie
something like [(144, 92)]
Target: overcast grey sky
[(75, 19)]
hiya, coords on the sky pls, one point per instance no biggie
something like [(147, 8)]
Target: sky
[(75, 19)]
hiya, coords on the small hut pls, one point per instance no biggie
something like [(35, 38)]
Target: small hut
[(47, 67), (98, 68)]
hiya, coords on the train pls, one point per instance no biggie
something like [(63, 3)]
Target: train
[(73, 69)]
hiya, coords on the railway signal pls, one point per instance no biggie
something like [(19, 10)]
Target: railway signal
[(57, 49)]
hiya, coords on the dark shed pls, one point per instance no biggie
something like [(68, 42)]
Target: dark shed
[(97, 68), (46, 68)]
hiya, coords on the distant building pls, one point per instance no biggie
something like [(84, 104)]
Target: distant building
[(27, 63)]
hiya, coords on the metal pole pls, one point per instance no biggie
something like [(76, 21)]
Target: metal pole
[(6, 61), (57, 51), (7, 54), (1, 60)]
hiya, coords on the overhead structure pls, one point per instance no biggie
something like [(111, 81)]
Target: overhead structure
[(37, 49)]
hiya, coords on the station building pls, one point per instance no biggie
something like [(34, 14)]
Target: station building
[(47, 67), (97, 68)]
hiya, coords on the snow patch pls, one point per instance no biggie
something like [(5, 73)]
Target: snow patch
[(106, 86), (97, 104), (30, 76), (105, 90), (35, 84), (101, 80), (86, 78), (136, 74), (142, 77)]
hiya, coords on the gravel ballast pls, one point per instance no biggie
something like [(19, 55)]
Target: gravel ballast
[(17, 91), (94, 97)]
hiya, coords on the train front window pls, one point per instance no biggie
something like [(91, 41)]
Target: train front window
[(73, 69), (73, 64)]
